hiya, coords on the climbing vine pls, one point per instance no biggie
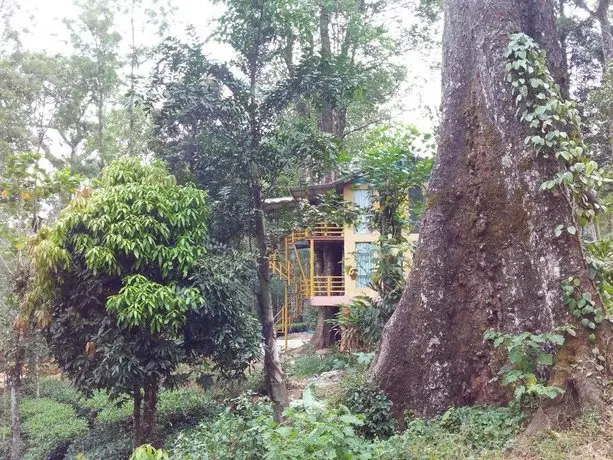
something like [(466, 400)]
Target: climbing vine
[(556, 132), (582, 306), (556, 128), (555, 125)]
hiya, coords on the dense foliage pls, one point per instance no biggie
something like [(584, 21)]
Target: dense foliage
[(120, 275), (317, 431), (145, 282)]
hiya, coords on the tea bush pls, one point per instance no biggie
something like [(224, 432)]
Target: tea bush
[(48, 426), (108, 442), (184, 406)]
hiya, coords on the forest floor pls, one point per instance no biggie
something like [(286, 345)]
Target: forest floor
[(587, 437), (101, 429)]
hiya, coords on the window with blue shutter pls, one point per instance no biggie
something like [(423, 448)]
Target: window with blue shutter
[(361, 200), (364, 264)]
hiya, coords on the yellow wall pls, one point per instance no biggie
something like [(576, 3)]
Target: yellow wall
[(351, 238)]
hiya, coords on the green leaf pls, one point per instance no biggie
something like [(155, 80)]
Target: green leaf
[(546, 359)]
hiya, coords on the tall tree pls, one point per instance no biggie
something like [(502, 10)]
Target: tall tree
[(219, 129), (489, 256), (95, 40)]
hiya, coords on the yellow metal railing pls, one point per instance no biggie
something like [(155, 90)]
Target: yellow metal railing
[(323, 230), (328, 285)]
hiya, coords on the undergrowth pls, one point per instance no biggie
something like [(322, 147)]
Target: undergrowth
[(311, 364)]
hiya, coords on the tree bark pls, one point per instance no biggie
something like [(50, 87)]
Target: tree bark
[(324, 336), (148, 420), (15, 386), (273, 372), (15, 453), (487, 257), (137, 439), (602, 15)]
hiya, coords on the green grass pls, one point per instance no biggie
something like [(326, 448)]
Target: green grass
[(311, 364)]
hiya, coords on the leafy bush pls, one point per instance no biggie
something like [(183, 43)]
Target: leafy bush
[(115, 412), (363, 314), (246, 432), (110, 436), (309, 315), (376, 408), (240, 433), (323, 434), (55, 389), (255, 381), (299, 327), (49, 425)]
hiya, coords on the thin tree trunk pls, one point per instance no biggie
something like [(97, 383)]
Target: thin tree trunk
[(15, 385), (150, 404), (332, 117), (136, 418), (37, 374), (487, 257), (15, 453), (602, 15), (133, 64), (273, 372)]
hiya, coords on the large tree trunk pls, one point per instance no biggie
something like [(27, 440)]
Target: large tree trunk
[(602, 15), (324, 335), (487, 257)]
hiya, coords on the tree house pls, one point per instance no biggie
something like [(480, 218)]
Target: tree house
[(325, 265)]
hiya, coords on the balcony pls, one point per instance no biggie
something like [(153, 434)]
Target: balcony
[(328, 286), (323, 231)]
